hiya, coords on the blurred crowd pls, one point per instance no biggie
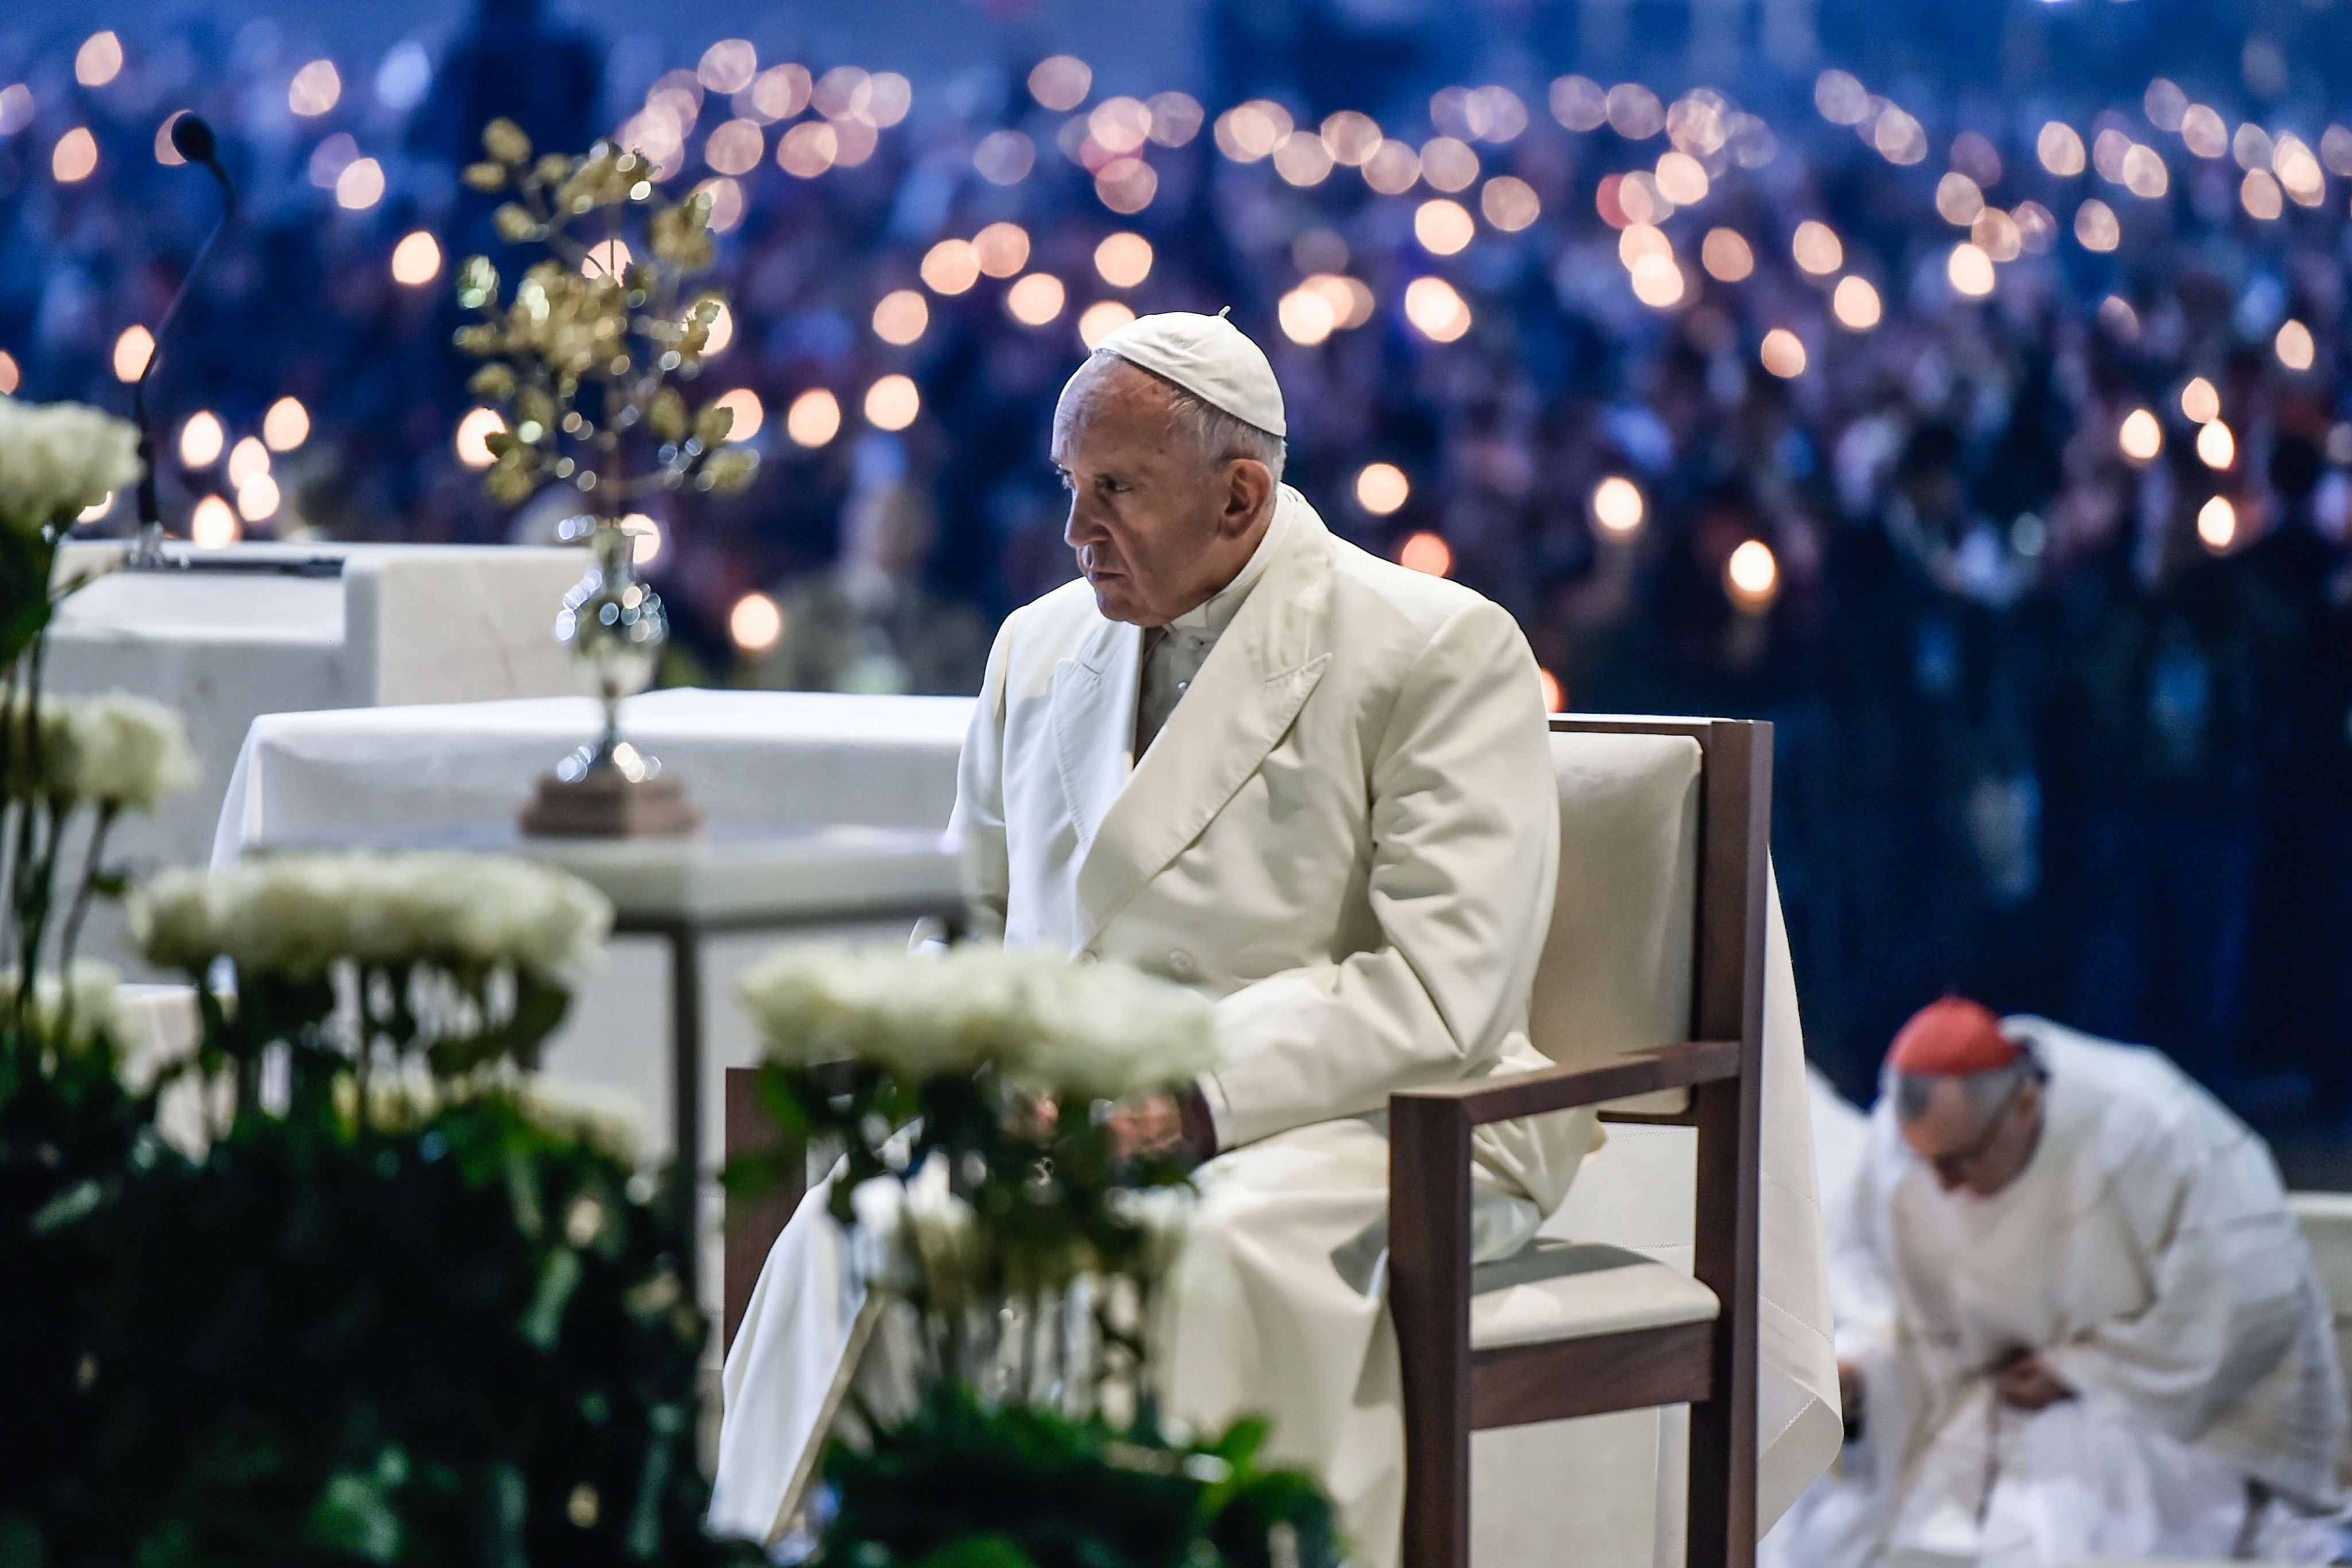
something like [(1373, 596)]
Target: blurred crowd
[(2004, 467)]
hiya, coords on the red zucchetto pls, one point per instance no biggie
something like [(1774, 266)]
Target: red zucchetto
[(1950, 1038)]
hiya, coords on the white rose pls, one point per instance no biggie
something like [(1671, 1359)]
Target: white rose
[(56, 459)]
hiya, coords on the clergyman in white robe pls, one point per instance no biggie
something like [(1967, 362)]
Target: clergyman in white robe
[(2147, 1254), (1324, 795)]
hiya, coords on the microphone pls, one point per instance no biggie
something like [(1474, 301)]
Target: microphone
[(193, 140)]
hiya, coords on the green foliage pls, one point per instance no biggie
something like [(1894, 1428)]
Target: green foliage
[(462, 1340), (1042, 1187), (958, 1486)]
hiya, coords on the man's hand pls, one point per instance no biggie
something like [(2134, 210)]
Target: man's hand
[(1151, 1125), (2025, 1381)]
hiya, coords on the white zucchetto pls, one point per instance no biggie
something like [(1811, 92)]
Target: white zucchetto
[(1209, 356)]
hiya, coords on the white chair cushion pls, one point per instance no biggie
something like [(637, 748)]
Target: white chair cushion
[(1568, 1290), (1616, 971)]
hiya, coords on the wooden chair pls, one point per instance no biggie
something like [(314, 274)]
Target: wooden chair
[(1607, 1330)]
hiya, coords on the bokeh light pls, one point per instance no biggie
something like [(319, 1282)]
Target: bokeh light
[(316, 88), (808, 149), (75, 157), (1061, 82), (1035, 300), (736, 147), (1427, 552), (1752, 577), (1443, 227), (2140, 436), (2217, 525), (750, 413), (1970, 270), (1725, 256), (1658, 281), (1305, 317), (1448, 165), (473, 433), (756, 623), (721, 332), (2096, 226), (901, 316), (11, 376), (1002, 249), (213, 524), (1817, 248), (132, 349), (1509, 203), (1382, 488), (1618, 506), (1101, 320), (892, 403), (2295, 346), (1123, 260), (99, 60), (416, 259), (359, 185), (257, 498), (202, 440), (1857, 305), (1436, 311), (647, 540), (813, 418), (286, 426), (950, 267), (248, 461), (2060, 148), (1782, 353), (1005, 157), (2199, 400), (2216, 446)]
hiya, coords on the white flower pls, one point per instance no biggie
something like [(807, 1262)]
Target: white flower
[(1101, 1031), (58, 458), (115, 749), (606, 1118), (71, 1011), (300, 914)]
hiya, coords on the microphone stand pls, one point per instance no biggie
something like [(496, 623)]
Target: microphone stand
[(193, 140)]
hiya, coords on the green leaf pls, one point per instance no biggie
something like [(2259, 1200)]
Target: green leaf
[(558, 1277), (355, 1516)]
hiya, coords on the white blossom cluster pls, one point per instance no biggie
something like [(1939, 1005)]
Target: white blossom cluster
[(72, 1011), (300, 915), (1100, 1031), (114, 749), (58, 458)]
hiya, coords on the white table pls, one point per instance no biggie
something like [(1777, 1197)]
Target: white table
[(375, 624), (768, 768)]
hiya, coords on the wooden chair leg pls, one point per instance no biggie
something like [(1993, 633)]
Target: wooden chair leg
[(752, 1224), (1429, 1297)]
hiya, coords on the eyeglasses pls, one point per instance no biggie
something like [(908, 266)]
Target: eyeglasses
[(1953, 1167)]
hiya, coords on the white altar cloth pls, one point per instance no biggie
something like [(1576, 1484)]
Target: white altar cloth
[(402, 623)]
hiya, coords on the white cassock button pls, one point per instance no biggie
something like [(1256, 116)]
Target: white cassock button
[(1179, 964)]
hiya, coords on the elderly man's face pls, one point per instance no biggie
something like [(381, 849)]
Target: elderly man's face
[(1970, 1149), (1158, 526)]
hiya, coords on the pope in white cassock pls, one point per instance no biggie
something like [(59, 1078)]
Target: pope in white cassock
[(1245, 755), (2098, 1332)]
